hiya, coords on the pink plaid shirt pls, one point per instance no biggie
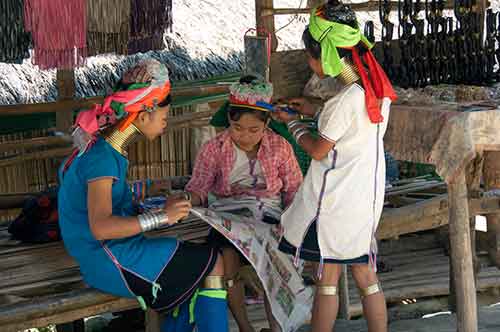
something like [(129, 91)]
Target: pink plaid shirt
[(216, 160)]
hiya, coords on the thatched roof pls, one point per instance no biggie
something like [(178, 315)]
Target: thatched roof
[(207, 40)]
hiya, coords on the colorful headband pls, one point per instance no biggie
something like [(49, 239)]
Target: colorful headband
[(248, 95), (123, 105)]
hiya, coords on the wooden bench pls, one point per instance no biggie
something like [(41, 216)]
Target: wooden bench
[(41, 284)]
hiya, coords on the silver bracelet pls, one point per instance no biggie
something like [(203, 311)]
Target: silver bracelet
[(299, 135), (187, 196), (292, 124), (152, 220), (298, 130)]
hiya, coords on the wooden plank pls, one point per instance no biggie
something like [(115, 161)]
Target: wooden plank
[(461, 256), (64, 316), (427, 214), (68, 105)]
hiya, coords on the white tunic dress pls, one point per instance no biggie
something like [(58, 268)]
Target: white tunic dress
[(343, 192)]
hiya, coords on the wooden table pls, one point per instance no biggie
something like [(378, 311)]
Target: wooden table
[(412, 134)]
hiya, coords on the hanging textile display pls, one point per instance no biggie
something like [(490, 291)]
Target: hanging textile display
[(58, 29), (148, 21), (107, 26), (14, 40)]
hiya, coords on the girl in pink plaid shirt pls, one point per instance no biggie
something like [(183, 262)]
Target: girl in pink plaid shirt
[(245, 160)]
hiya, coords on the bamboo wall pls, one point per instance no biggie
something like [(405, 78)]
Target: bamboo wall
[(170, 155)]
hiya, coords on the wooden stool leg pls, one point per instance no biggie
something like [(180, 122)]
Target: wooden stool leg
[(152, 321), (344, 295), (461, 255), (491, 176)]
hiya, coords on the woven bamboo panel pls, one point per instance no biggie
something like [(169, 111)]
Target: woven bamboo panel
[(168, 155)]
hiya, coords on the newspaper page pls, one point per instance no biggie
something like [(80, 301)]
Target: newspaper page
[(290, 300)]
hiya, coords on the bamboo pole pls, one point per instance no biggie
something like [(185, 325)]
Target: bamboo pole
[(52, 153), (368, 6), (31, 143), (74, 104)]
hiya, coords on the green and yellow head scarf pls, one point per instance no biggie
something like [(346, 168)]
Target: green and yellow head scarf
[(331, 35)]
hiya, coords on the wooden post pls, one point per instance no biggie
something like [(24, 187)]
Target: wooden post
[(266, 22), (66, 89), (344, 295), (491, 175), (461, 255), (314, 3)]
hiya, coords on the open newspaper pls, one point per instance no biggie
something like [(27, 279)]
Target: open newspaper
[(240, 221)]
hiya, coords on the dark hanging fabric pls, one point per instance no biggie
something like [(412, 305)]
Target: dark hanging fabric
[(107, 26), (14, 40), (148, 21), (58, 29)]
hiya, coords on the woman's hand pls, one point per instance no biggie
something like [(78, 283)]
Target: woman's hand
[(282, 116), (176, 208), (303, 106)]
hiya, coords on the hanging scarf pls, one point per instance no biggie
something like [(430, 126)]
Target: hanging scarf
[(58, 28), (148, 21), (331, 35), (14, 40), (107, 26), (122, 105)]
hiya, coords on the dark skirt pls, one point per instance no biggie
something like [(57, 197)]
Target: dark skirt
[(216, 239), (181, 277), (309, 250)]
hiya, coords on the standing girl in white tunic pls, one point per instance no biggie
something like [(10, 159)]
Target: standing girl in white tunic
[(335, 213)]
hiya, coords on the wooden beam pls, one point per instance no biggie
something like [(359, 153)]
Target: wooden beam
[(428, 214), (461, 256), (66, 105), (62, 313), (367, 6)]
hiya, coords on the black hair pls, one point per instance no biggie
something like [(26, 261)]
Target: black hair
[(165, 102), (235, 112), (248, 79)]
